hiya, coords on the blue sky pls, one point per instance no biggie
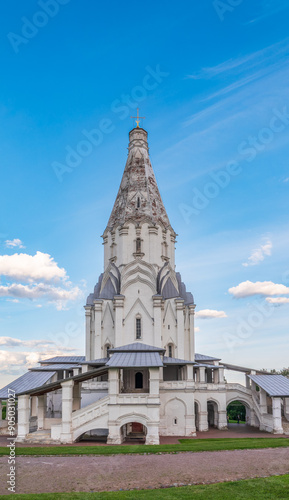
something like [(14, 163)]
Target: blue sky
[(212, 81)]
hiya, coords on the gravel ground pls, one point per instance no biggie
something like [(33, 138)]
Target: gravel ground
[(89, 473)]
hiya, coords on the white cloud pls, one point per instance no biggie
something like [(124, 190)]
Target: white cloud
[(42, 291), (14, 243), (278, 300), (265, 288), (259, 254), (210, 314), (286, 180), (30, 268), (37, 277), (12, 342), (17, 363)]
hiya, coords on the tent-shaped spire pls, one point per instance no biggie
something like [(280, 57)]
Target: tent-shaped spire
[(138, 199)]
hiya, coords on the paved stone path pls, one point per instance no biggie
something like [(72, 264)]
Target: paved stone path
[(89, 473)]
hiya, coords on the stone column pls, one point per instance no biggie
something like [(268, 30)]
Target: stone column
[(23, 417), (152, 436), (286, 408), (202, 373), (222, 420), (192, 332), (157, 301), (97, 329), (114, 434), (40, 411), (248, 382), (221, 375), (33, 406), (118, 307), (76, 402), (277, 419), (154, 381), (113, 382), (190, 373), (203, 421), (88, 352), (67, 397), (180, 328), (263, 401)]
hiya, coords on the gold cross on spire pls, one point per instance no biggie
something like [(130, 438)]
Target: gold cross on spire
[(138, 118)]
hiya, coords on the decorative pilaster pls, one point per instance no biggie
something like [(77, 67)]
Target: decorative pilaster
[(180, 328), (118, 304), (157, 301), (192, 308), (87, 333), (97, 329)]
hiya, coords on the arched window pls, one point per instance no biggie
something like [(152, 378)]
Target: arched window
[(107, 347), (138, 328), (138, 380), (138, 245)]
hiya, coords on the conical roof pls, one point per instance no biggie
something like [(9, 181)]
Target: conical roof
[(138, 199)]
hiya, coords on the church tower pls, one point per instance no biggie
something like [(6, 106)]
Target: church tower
[(139, 297)]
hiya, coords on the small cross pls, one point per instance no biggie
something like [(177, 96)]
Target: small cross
[(138, 118)]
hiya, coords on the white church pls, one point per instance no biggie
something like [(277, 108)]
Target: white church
[(140, 376)]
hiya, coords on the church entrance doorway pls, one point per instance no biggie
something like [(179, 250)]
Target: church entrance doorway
[(134, 431)]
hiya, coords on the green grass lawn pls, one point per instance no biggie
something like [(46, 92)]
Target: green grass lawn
[(236, 421), (191, 445), (275, 487)]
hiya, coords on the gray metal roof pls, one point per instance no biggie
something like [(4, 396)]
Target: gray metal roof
[(28, 381), (206, 365), (134, 359), (203, 357), (274, 385), (137, 347), (64, 359), (55, 367), (100, 361), (176, 361)]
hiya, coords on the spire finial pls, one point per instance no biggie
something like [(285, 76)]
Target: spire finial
[(138, 118)]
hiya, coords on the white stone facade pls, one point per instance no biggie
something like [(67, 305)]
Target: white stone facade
[(141, 374)]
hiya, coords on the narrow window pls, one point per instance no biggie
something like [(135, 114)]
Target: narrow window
[(138, 328), (138, 245), (138, 202), (175, 421), (138, 380), (107, 347), (170, 351)]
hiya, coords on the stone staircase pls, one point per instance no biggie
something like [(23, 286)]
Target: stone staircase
[(39, 437)]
